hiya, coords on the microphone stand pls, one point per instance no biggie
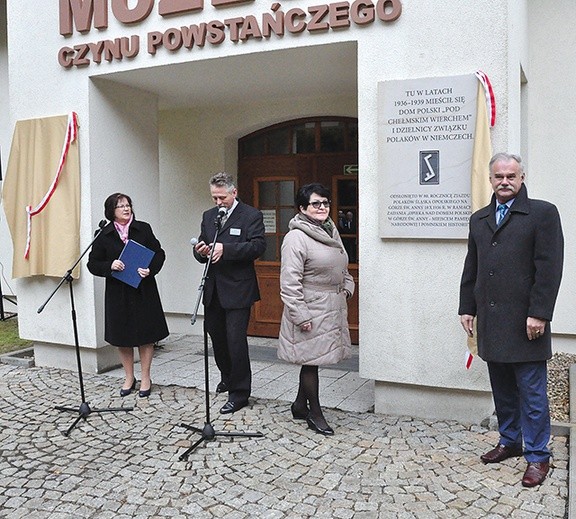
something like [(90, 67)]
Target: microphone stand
[(207, 433), (4, 316), (84, 410)]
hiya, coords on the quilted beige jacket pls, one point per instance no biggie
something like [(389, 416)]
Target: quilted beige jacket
[(314, 282)]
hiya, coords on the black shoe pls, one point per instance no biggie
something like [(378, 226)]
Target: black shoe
[(126, 392), (146, 392), (232, 407), (327, 431), (299, 415), (222, 387)]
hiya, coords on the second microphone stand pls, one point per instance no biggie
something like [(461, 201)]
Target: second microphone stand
[(84, 410), (207, 433)]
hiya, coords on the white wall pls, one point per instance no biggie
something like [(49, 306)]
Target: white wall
[(413, 285), (124, 158), (5, 137), (195, 144), (552, 134), (37, 88), (118, 145), (122, 138)]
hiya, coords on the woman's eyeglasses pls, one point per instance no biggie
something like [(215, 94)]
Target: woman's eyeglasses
[(317, 203), (125, 206)]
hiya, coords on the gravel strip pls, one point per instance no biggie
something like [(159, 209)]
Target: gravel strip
[(559, 386)]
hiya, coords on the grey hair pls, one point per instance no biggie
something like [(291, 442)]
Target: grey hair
[(506, 157), (223, 179)]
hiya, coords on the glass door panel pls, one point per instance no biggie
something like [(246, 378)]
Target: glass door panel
[(346, 210), (275, 198)]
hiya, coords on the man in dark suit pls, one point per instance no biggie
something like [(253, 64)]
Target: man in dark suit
[(231, 286), (349, 225), (510, 283)]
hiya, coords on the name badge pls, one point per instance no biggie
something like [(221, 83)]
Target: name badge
[(234, 231)]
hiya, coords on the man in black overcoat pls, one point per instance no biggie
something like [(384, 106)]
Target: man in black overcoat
[(231, 286), (510, 283)]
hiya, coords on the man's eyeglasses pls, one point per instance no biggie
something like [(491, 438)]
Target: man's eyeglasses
[(125, 206), (317, 203)]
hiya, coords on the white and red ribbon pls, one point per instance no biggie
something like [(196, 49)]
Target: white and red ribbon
[(468, 360), (71, 136), (490, 98)]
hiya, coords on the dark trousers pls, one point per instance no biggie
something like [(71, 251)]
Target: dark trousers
[(228, 330), (521, 401)]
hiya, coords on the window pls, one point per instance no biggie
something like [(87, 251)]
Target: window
[(322, 135)]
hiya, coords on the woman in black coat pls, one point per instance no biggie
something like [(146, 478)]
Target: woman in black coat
[(133, 316)]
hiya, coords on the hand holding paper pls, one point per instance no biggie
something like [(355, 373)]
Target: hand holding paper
[(135, 258)]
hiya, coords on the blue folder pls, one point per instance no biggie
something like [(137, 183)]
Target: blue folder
[(134, 256)]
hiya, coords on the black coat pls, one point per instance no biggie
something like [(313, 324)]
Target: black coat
[(513, 272), (133, 316), (234, 276)]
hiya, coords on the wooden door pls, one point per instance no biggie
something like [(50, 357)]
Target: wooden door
[(273, 163)]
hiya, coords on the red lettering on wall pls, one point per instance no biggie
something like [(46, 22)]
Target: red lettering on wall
[(219, 3), (294, 20), (81, 51), (168, 7), (250, 29), (195, 34), (318, 13), (389, 10), (65, 57), (111, 50), (216, 34), (362, 12), (96, 49), (138, 13), (130, 48), (80, 13), (154, 41), (273, 23), (234, 25), (339, 16), (172, 39)]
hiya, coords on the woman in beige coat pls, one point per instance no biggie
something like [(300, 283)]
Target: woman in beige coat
[(314, 286)]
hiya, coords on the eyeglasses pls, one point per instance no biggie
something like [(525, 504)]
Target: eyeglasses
[(125, 206), (317, 203)]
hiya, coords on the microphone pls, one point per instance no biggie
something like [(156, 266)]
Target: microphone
[(221, 212), (101, 225), (193, 241)]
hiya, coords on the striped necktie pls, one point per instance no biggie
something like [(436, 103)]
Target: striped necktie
[(501, 211)]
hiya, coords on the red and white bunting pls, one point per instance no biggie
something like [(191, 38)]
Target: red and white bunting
[(490, 98), (468, 360), (71, 136)]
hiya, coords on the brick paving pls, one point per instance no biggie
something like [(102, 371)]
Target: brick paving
[(126, 464)]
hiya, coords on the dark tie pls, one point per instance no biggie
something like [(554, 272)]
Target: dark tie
[(501, 211)]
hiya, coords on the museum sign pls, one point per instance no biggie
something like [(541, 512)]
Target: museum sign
[(84, 15)]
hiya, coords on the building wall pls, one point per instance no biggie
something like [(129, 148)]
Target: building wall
[(5, 136), (551, 81), (185, 135), (164, 156), (112, 149), (417, 346)]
